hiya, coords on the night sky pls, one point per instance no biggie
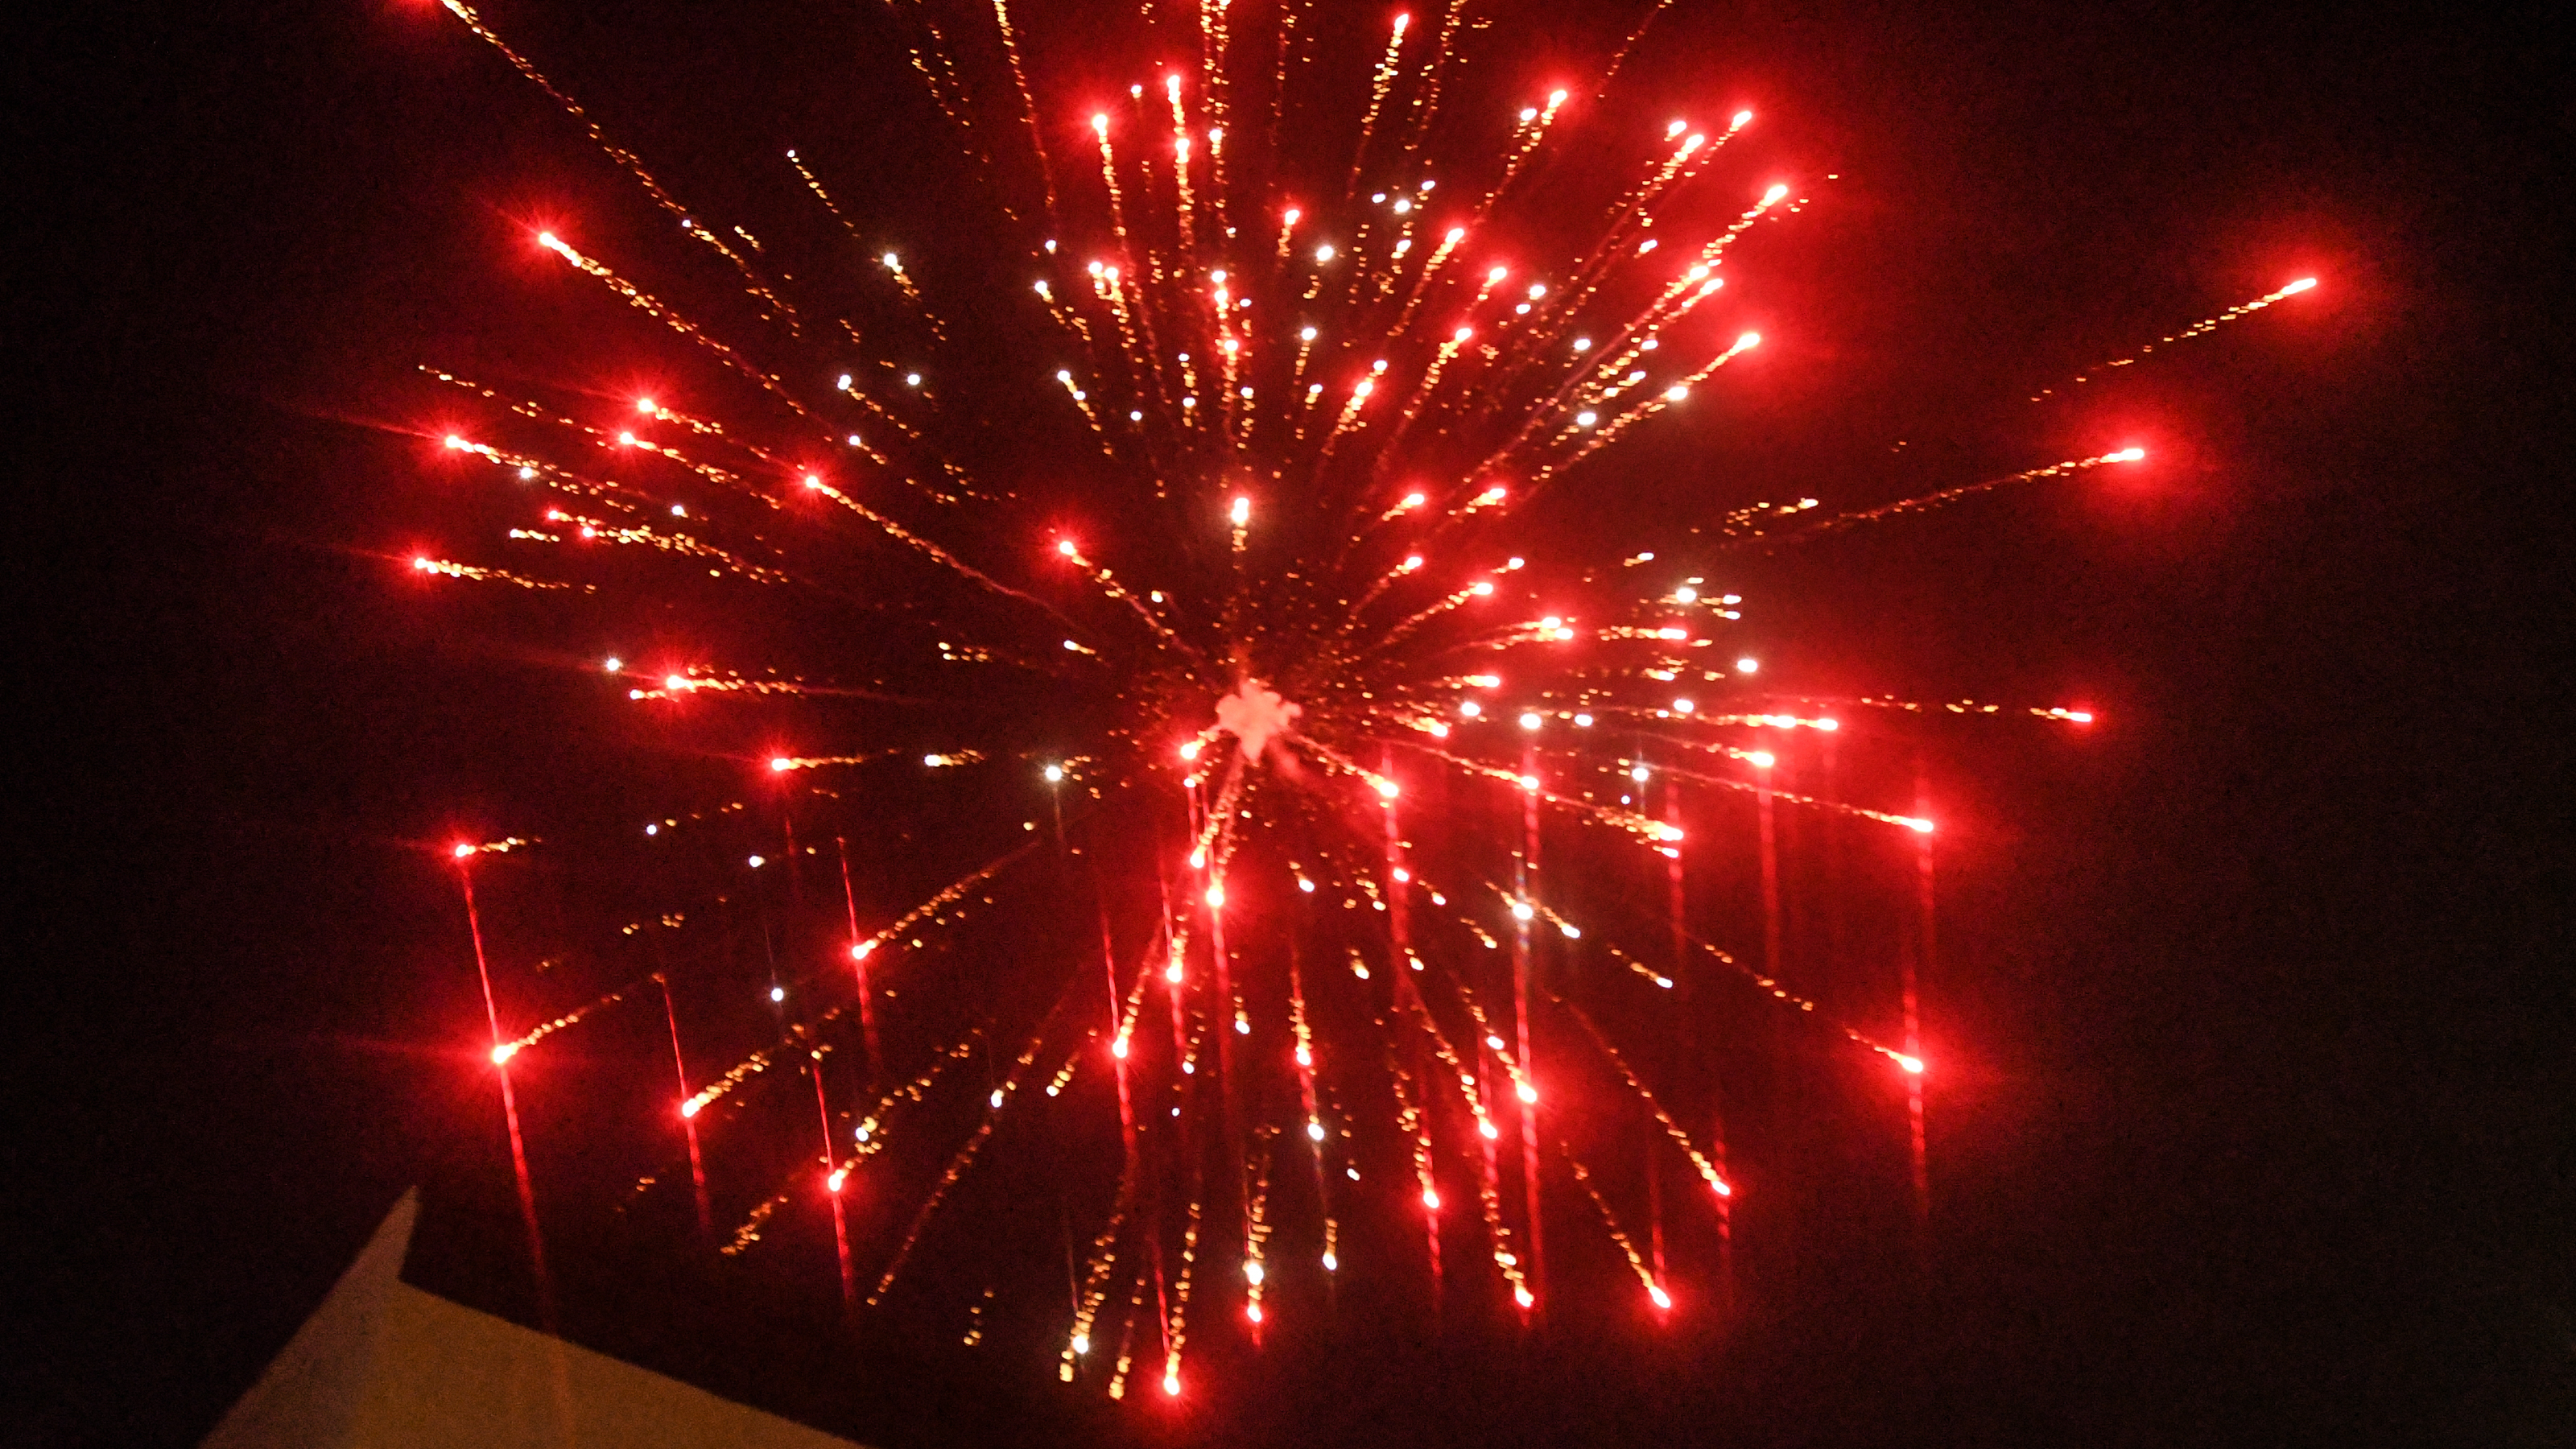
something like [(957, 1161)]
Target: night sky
[(2261, 1125)]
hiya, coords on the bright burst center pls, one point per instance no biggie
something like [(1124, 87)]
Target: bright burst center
[(1255, 715)]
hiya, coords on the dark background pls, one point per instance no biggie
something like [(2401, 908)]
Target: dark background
[(2265, 979)]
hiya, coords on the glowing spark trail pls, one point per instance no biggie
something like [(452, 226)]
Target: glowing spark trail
[(1929, 501), (2201, 328)]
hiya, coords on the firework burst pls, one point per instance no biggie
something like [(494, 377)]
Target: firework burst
[(1182, 567)]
